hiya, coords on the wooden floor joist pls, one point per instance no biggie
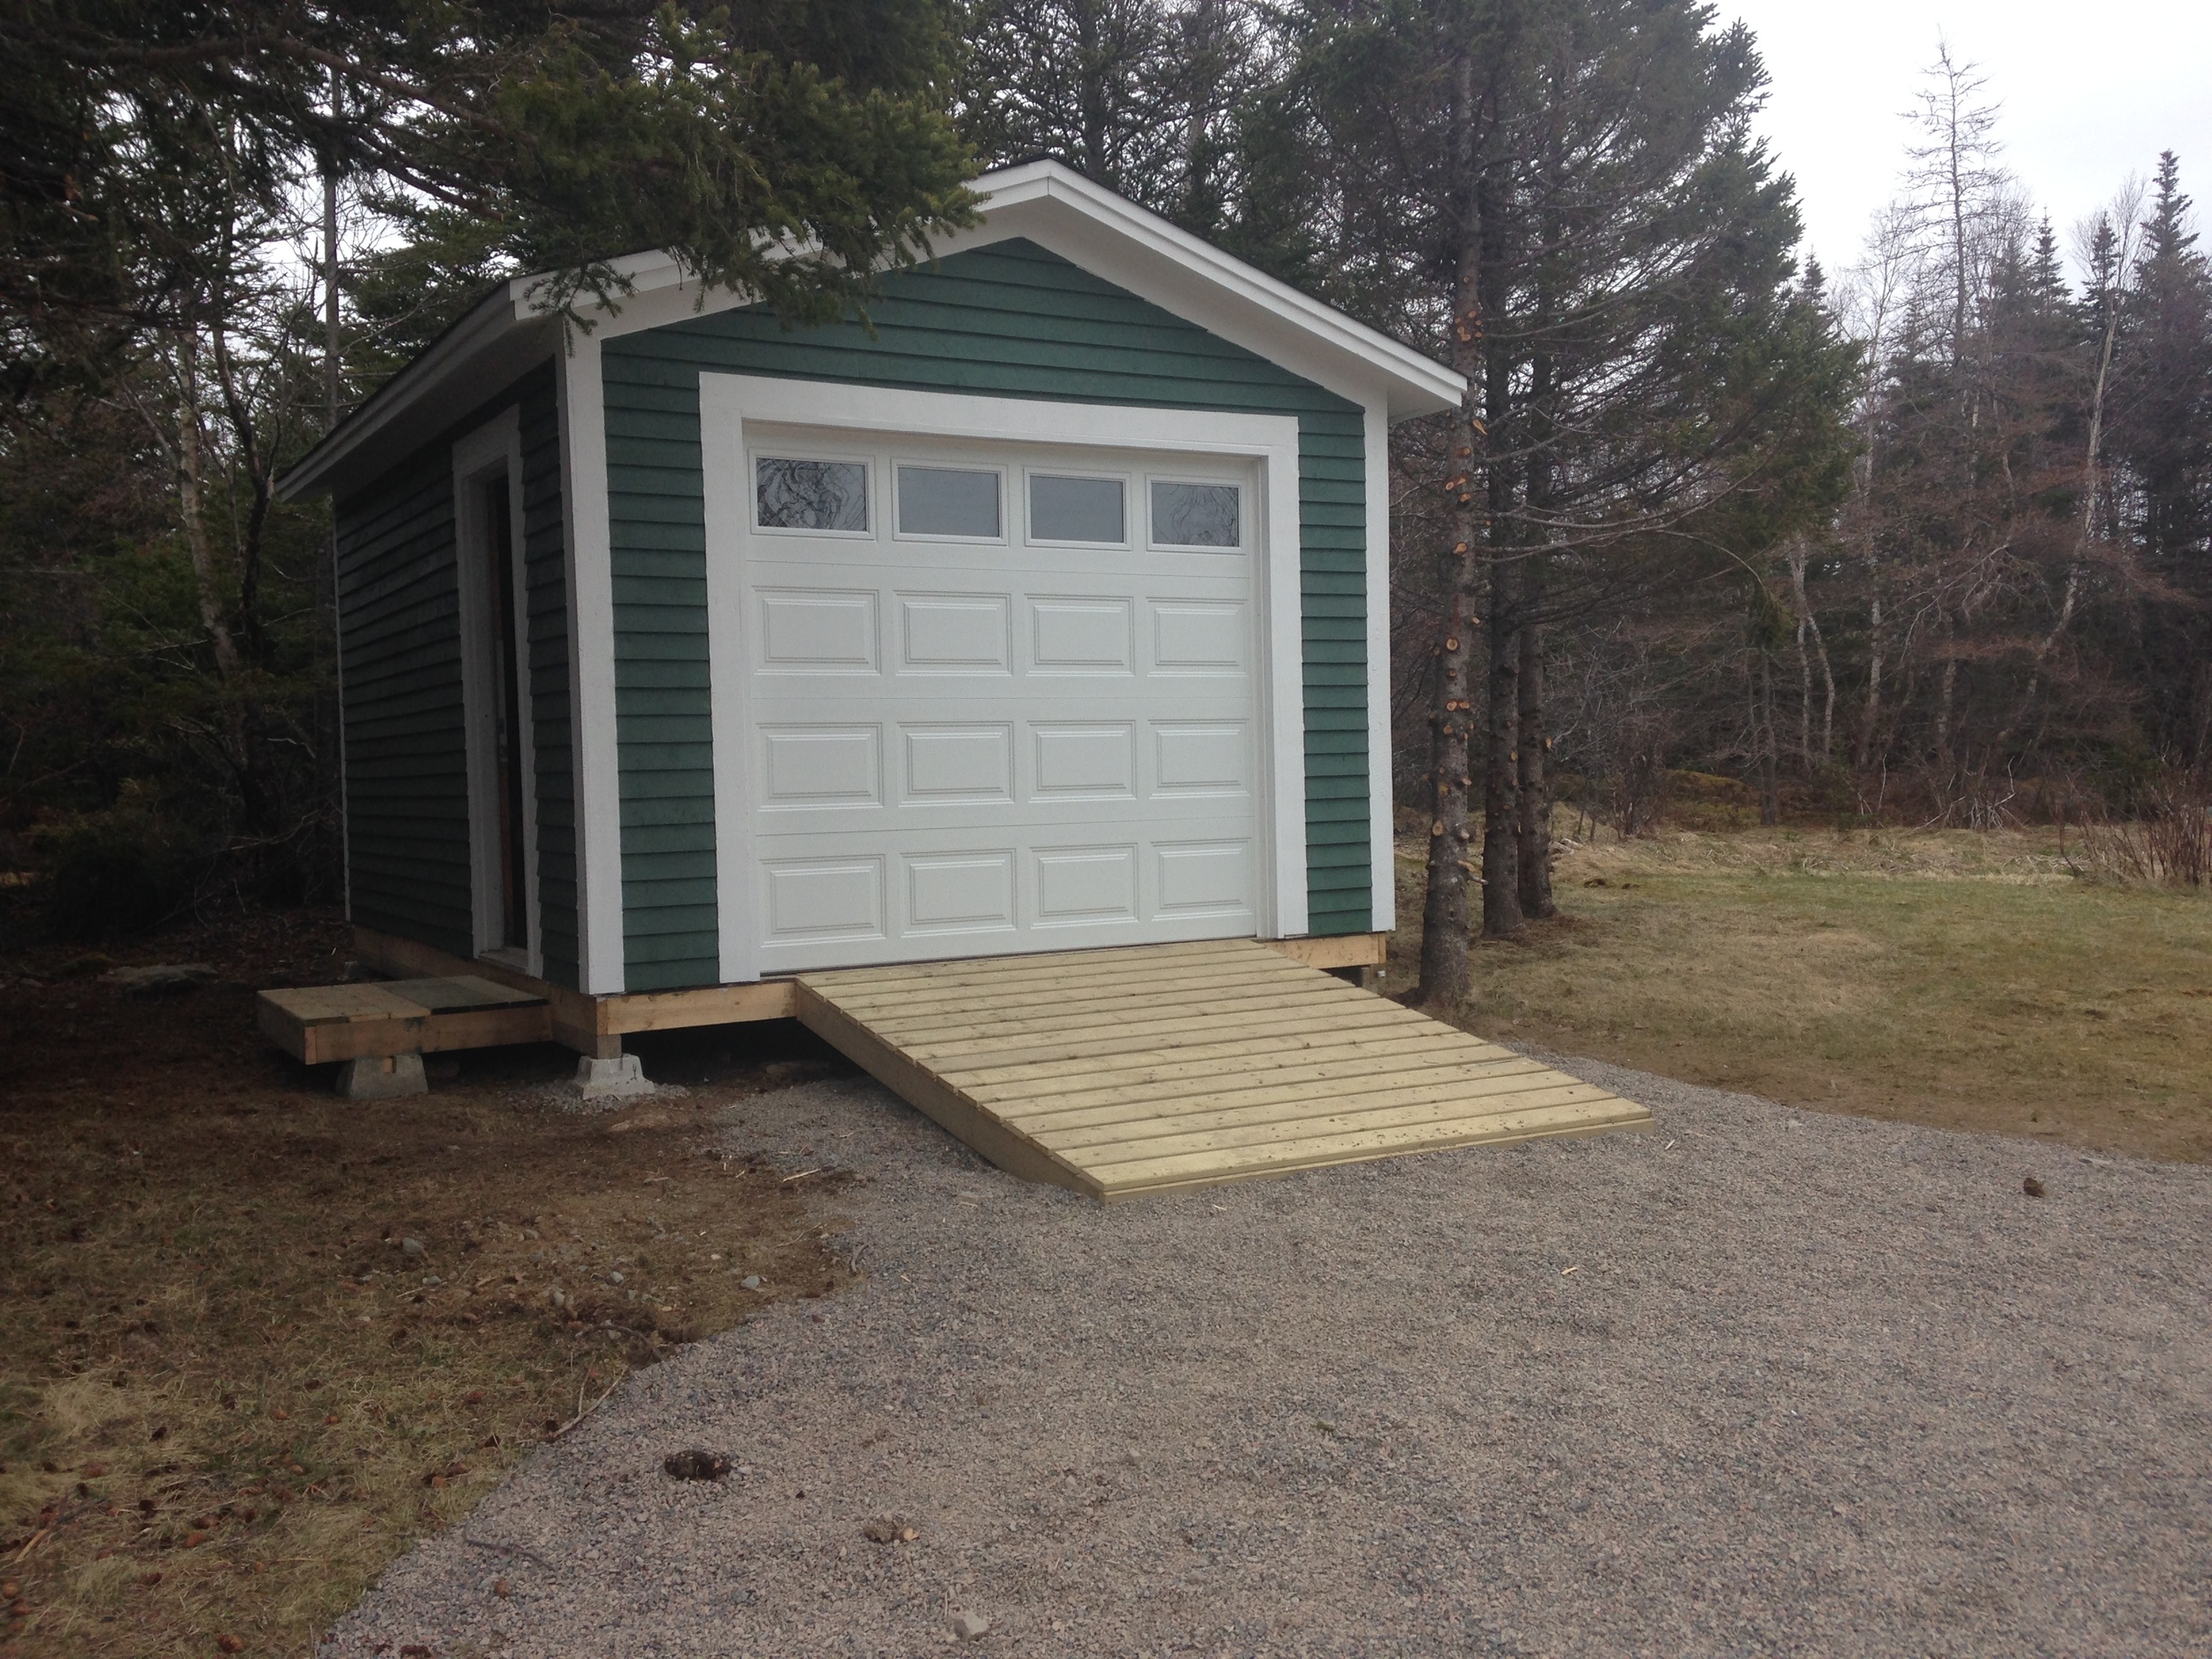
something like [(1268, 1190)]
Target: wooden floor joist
[(1120, 1073)]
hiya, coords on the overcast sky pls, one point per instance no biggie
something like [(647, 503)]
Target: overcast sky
[(2090, 91)]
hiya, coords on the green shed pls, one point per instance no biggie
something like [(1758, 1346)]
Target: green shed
[(1048, 610)]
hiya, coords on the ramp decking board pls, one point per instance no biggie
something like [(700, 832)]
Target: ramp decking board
[(1156, 1068)]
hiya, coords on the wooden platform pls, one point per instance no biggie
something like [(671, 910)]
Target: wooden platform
[(1125, 1072), (322, 1023)]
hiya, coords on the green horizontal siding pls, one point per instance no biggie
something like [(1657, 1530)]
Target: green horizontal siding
[(1008, 320), (399, 642)]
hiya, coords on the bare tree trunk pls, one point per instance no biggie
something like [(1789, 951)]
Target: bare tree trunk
[(1804, 700), (1808, 624), (1533, 770), (330, 737), (1873, 711), (1444, 977), (1947, 698), (190, 503), (1769, 759), (1093, 97), (1502, 759)]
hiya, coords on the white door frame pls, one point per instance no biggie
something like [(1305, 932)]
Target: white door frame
[(726, 401), (494, 448)]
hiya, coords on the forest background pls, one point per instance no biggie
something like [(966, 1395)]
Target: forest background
[(1926, 539)]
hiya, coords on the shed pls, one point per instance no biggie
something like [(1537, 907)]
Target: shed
[(999, 688), (1046, 610)]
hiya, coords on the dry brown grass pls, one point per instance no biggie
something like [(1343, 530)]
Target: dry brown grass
[(1958, 978), (229, 1392)]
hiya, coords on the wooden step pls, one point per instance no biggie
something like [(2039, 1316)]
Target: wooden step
[(322, 1022)]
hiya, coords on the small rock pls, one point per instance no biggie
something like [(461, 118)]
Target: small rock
[(614, 1279), (411, 1247), (751, 1281), (2032, 1187), (969, 1626), (697, 1464)]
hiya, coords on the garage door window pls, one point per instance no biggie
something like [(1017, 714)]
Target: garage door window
[(1195, 515), (794, 494), (1080, 510), (958, 502)]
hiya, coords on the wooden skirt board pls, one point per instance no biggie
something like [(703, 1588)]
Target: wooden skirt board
[(322, 1022), (1125, 1072)]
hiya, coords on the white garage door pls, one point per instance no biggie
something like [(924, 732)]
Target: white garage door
[(995, 697)]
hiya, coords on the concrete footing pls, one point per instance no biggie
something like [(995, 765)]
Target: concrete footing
[(618, 1078), (372, 1078)]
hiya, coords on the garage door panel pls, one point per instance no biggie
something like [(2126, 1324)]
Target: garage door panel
[(955, 633), (964, 892), (817, 631), (823, 900), (1087, 760), (1201, 757), (968, 749), (1211, 637), (1071, 634), (1085, 886), (954, 763), (820, 766), (1195, 879)]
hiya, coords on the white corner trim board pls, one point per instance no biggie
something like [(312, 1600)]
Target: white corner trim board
[(1270, 443), (598, 772), (1381, 838)]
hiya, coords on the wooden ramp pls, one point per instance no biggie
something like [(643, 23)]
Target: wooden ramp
[(322, 1022), (1142, 1070)]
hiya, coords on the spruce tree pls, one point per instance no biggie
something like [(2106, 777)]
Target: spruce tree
[(739, 139), (1563, 198), (2162, 443)]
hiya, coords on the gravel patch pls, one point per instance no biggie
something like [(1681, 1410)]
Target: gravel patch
[(1760, 1382)]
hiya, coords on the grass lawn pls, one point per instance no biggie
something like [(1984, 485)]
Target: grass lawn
[(1960, 980), (256, 1340)]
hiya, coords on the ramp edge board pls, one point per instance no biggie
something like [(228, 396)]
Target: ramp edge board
[(935, 1099), (1235, 1063)]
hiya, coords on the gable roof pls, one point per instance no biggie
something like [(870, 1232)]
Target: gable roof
[(1043, 202)]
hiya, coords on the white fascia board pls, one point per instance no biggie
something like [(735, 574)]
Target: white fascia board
[(1049, 203), (1114, 238), (455, 360)]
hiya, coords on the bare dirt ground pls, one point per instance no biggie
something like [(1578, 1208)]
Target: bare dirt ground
[(256, 1340), (1761, 1382)]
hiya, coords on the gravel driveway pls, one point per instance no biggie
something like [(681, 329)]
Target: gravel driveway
[(1760, 1382)]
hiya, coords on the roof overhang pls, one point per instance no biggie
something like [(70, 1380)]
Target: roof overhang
[(1132, 248), (1044, 202)]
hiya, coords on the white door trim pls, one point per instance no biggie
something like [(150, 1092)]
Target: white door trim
[(495, 448), (727, 400)]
